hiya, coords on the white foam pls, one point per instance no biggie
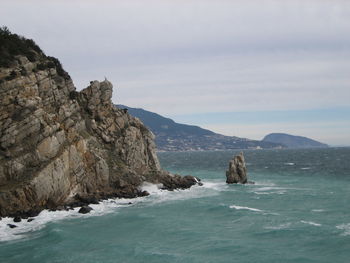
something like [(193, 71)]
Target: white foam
[(289, 163), (280, 192), (264, 183), (317, 210), (278, 227), (346, 228), (305, 168), (216, 185), (24, 228), (151, 188), (245, 208), (269, 188), (310, 223), (196, 191)]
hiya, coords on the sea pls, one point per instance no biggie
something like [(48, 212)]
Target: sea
[(298, 210)]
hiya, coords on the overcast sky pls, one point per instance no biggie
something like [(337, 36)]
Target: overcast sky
[(243, 68)]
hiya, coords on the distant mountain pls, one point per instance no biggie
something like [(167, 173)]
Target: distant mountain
[(292, 141), (172, 136)]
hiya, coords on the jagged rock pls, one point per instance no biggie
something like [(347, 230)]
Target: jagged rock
[(237, 172), (85, 209), (33, 213), (144, 193), (56, 143)]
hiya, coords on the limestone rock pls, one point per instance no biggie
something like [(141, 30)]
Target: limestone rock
[(57, 143), (237, 172)]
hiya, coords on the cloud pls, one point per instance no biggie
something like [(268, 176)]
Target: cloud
[(185, 57)]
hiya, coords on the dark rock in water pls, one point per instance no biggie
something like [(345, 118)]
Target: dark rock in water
[(60, 208), (250, 182), (11, 225), (0, 218), (87, 199), (237, 172), (30, 219), (179, 182), (17, 219), (85, 209), (33, 213), (144, 193)]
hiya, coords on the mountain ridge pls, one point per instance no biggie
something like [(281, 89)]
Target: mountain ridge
[(173, 136), (294, 141)]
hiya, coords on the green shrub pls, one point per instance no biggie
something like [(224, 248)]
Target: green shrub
[(41, 66), (12, 45), (60, 71)]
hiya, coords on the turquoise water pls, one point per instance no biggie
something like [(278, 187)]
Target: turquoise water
[(298, 211)]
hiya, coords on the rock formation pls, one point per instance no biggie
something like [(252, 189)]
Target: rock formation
[(237, 172), (58, 145)]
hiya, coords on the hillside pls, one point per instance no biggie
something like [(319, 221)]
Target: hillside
[(172, 136), (292, 141)]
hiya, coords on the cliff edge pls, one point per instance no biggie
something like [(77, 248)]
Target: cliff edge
[(59, 146)]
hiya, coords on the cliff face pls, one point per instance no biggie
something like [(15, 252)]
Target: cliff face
[(57, 143)]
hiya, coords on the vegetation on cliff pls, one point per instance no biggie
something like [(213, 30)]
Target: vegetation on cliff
[(13, 46)]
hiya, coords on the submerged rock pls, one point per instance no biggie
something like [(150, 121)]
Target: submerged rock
[(11, 225), (237, 172), (85, 209)]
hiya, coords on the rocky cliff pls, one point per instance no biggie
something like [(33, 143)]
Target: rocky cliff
[(59, 146)]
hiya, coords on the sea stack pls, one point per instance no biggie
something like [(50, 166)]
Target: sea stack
[(237, 172)]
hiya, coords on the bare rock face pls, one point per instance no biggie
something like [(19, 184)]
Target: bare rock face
[(57, 143), (237, 172)]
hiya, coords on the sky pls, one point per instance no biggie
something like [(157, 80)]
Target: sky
[(243, 68)]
